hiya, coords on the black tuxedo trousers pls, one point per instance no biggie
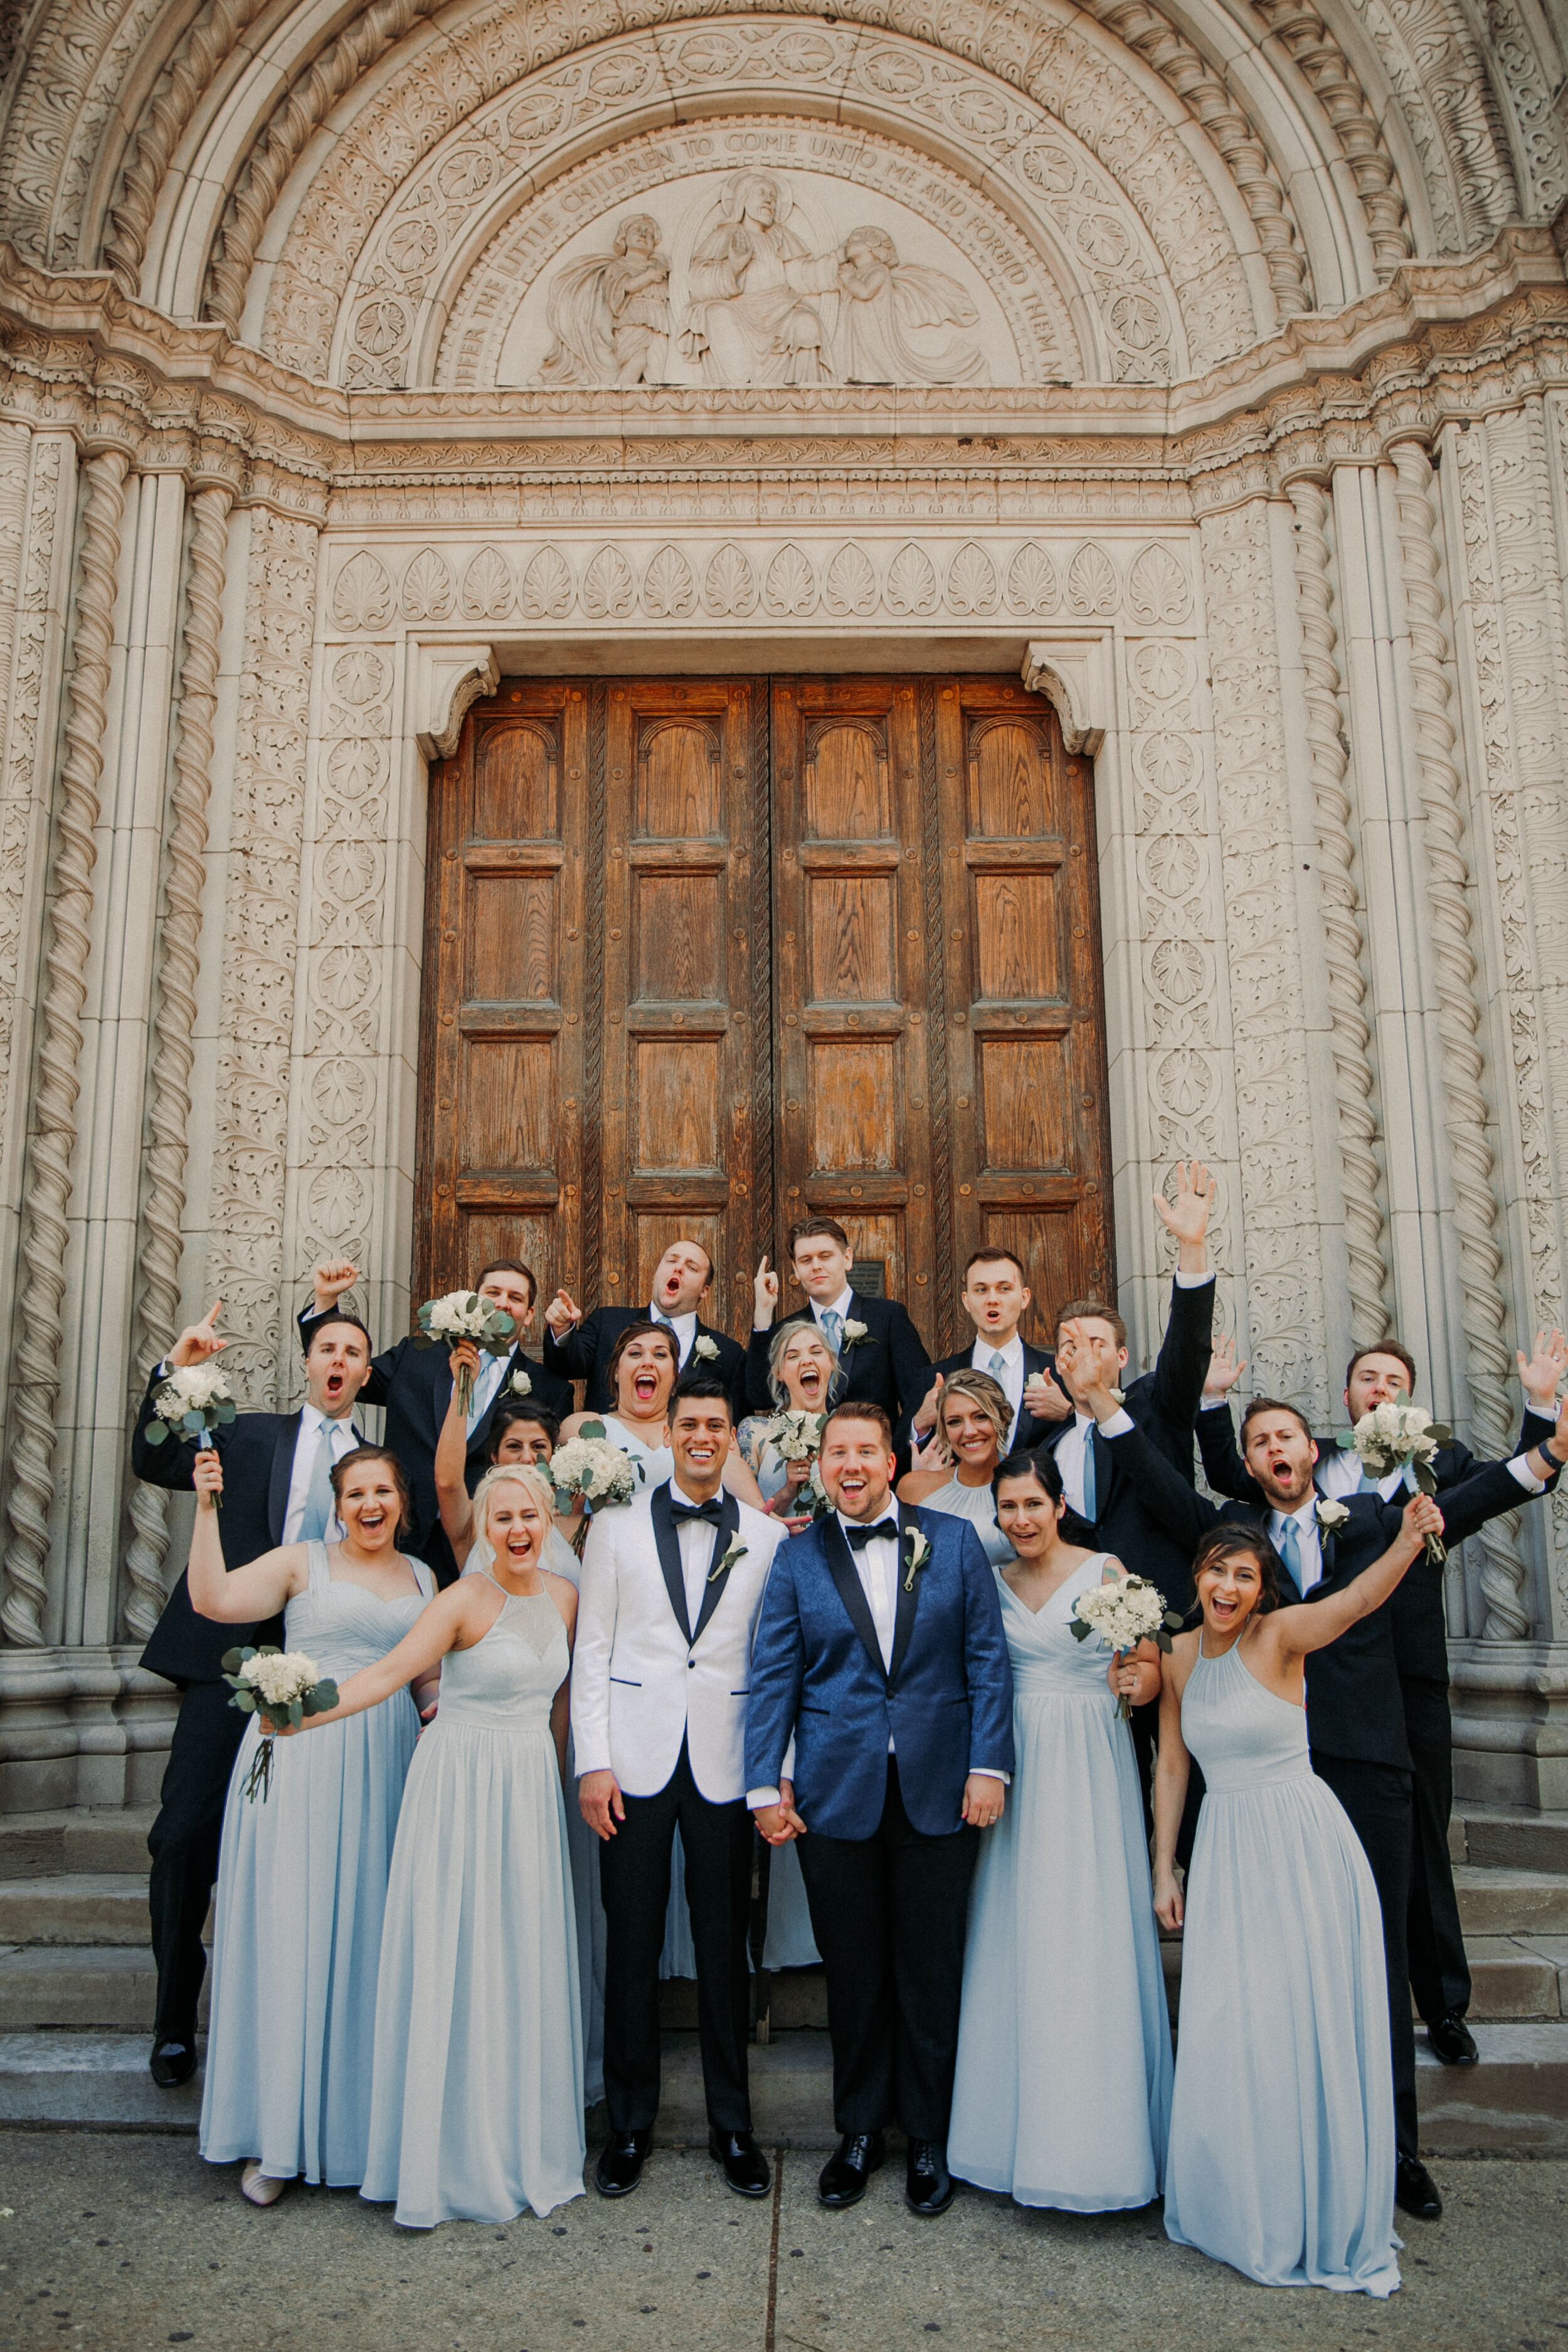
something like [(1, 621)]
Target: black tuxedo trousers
[(183, 1845), (888, 1913), (634, 1880), (1378, 1799), (1439, 1971)]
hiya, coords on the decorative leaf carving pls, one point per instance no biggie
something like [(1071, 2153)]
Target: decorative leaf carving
[(609, 590), (1092, 582), (1158, 592), (1033, 587), (427, 591), (363, 597), (547, 586), (911, 583), (790, 586), (668, 591), (971, 580), (851, 583), (487, 586), (730, 585)]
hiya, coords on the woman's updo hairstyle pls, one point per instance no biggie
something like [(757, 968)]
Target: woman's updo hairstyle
[(512, 1473), (347, 1462)]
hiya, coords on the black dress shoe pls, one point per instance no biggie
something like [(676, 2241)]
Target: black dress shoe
[(1452, 2041), (745, 2166), (1415, 2190), (621, 2160), (844, 2175), (172, 2064), (928, 2190)]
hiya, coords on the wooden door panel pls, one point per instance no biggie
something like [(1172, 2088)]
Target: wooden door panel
[(501, 1131)]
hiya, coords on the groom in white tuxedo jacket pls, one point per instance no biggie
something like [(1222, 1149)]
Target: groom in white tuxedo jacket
[(672, 1586)]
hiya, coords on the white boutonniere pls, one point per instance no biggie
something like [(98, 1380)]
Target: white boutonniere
[(521, 1383), (1331, 1516), (734, 1550), (706, 1351), (917, 1551), (853, 1333)]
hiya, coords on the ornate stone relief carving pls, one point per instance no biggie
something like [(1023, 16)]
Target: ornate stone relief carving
[(1273, 1085), (892, 577), (179, 969), (260, 948), (1134, 225), (46, 1235), (28, 537)]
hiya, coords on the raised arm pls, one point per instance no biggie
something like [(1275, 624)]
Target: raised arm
[(170, 1462), (1185, 1514), (571, 1339), (234, 1596), (1313, 1625), (455, 1620), (452, 1459), (1177, 1382), (328, 1283), (911, 1364)]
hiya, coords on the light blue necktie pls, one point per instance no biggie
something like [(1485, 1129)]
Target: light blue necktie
[(320, 1504), (1290, 1550), (833, 1328), (1091, 1493), (1369, 1484), (998, 1368)]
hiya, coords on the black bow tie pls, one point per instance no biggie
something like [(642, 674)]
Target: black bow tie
[(861, 1537), (712, 1511)]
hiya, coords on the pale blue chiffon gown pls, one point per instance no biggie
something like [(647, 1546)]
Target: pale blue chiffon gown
[(476, 2109), (1063, 2087), (1281, 2157), (301, 1895)]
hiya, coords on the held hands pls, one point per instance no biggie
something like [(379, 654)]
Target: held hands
[(206, 1476), (198, 1341), (562, 1314), (1225, 1368), (764, 1296), (331, 1278), (1541, 1374), (1186, 1218), (1168, 1907), (779, 1823), (983, 1799), (600, 1801)]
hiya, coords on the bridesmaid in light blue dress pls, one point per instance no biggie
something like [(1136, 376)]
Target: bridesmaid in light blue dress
[(974, 1420), (302, 1880), (1281, 2155), (1063, 2087), (476, 2103)]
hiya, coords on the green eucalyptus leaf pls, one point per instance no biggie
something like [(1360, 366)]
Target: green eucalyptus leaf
[(591, 1428), (1440, 1434), (232, 1661), (1080, 1631), (296, 1713), (156, 1433), (244, 1700)]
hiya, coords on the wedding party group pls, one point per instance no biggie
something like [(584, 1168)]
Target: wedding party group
[(956, 1677)]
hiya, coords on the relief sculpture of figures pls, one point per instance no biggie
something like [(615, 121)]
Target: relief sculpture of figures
[(609, 314), (763, 307)]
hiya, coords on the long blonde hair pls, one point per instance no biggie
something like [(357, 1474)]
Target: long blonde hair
[(481, 1551)]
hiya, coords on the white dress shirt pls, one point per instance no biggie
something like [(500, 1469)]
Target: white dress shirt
[(343, 1437), (696, 1541), (684, 1328), (1071, 1447), (492, 1370), (1309, 1538), (1010, 1378), (844, 1304), (1338, 1473)]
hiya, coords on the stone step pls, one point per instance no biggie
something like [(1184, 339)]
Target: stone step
[(1504, 1902), (1507, 1837), (75, 1907), (1518, 1975), (1515, 2103), (99, 1986), (45, 1845)]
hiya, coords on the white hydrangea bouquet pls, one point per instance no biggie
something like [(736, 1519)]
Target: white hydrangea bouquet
[(461, 1314), (795, 1436), (1402, 1437), (1124, 1611), (281, 1688), (193, 1401), (590, 1470)]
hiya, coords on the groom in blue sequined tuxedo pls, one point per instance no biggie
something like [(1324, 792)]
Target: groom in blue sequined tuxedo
[(880, 1658)]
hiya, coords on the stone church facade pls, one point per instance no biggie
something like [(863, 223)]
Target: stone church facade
[(1194, 376)]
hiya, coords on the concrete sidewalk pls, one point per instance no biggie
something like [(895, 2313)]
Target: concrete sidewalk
[(126, 2242)]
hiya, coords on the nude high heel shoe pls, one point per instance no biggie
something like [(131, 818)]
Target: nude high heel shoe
[(256, 2185)]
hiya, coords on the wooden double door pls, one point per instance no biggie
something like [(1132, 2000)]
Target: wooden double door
[(705, 955)]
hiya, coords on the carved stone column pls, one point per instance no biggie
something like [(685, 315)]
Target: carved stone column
[(169, 1104), (30, 1464)]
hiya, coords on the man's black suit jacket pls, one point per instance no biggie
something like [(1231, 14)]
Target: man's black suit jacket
[(1353, 1705), (414, 1387), (1162, 1403), (1032, 1432), (1420, 1620), (888, 1367), (584, 1355), (257, 1454)]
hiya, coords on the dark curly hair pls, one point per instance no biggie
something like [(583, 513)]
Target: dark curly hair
[(1232, 1539)]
